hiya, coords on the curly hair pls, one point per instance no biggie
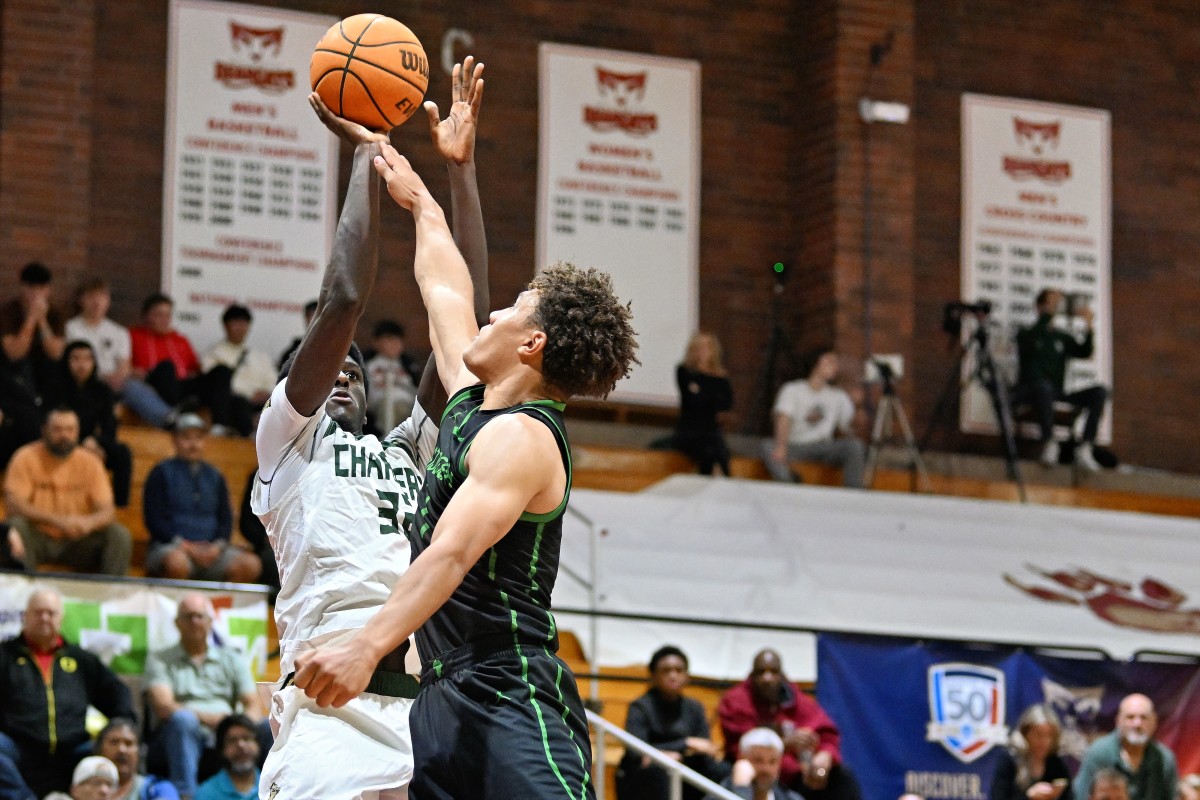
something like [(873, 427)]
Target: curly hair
[(590, 343)]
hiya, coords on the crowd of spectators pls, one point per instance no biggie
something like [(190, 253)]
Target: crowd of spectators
[(207, 730), (779, 743)]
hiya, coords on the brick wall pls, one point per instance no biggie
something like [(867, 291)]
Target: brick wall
[(81, 130)]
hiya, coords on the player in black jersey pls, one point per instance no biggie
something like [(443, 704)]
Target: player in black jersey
[(498, 714)]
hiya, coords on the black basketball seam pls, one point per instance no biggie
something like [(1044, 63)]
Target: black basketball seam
[(371, 97), (398, 41), (349, 57), (324, 74), (388, 71)]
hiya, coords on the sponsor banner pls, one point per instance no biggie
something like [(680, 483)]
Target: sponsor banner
[(929, 718), (124, 621), (1036, 214), (619, 189), (806, 558), (250, 174)]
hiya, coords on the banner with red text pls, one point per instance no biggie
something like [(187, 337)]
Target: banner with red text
[(250, 177), (619, 189), (1036, 214)]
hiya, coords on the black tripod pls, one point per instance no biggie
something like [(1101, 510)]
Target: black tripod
[(985, 371), (777, 345)]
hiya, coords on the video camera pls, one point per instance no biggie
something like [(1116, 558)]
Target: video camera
[(954, 311)]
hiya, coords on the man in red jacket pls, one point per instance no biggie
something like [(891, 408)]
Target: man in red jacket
[(812, 763)]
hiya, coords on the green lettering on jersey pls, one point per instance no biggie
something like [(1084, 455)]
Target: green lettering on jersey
[(439, 465), (358, 462), (388, 512), (338, 468)]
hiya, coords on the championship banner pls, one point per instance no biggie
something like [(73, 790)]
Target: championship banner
[(619, 190), (124, 621), (929, 718), (250, 174), (1036, 214)]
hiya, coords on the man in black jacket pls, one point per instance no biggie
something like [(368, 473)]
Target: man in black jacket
[(46, 686)]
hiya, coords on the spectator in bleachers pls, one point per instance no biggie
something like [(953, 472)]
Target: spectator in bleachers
[(1030, 767), (250, 374), (111, 345), (192, 686), (255, 534), (704, 392), (118, 741), (813, 421), (60, 502), (165, 360), (92, 400), (1131, 749), (394, 376), (1109, 784), (812, 763), (673, 723), (31, 335), (310, 311), (238, 745), (95, 778), (47, 685), (186, 507), (755, 774)]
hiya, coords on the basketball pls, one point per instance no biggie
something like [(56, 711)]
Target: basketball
[(370, 69)]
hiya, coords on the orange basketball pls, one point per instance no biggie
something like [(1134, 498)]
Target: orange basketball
[(371, 70)]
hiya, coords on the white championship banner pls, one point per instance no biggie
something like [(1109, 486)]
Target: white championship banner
[(759, 558), (619, 190), (124, 621), (250, 179), (1036, 214)]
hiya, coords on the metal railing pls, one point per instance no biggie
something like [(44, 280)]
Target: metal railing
[(677, 773)]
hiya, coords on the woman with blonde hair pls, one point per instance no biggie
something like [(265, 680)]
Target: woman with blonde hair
[(704, 392), (1030, 767)]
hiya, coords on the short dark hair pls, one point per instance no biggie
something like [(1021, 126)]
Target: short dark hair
[(813, 357), (234, 721), (387, 327), (35, 273), (61, 408), (236, 312), (156, 299), (116, 723), (77, 344), (93, 284), (1110, 775), (1042, 295), (355, 355), (590, 341), (666, 651)]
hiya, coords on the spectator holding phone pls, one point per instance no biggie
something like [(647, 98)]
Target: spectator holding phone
[(1030, 767)]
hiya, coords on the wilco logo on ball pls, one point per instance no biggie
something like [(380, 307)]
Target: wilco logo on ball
[(254, 44), (1035, 139), (620, 93), (966, 709)]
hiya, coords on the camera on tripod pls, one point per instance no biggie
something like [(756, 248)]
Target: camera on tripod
[(954, 311)]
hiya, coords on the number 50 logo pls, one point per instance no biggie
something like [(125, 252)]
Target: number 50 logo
[(966, 709)]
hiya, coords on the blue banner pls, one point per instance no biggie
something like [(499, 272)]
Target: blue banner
[(929, 718)]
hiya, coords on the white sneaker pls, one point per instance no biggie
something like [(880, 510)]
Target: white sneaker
[(1049, 457), (1085, 459)]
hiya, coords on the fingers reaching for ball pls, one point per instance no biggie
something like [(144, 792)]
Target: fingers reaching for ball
[(403, 184), (454, 136), (344, 129)]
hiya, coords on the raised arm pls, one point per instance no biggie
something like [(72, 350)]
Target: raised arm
[(481, 512), (454, 139), (350, 275), (439, 268)]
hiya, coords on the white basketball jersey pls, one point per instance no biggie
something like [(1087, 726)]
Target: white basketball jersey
[(335, 506)]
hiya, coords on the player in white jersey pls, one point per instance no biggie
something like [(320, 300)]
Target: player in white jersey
[(335, 502)]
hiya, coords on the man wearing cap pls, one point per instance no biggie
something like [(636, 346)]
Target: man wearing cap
[(95, 778), (185, 503), (46, 686), (60, 502)]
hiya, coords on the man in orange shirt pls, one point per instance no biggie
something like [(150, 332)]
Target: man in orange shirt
[(60, 503)]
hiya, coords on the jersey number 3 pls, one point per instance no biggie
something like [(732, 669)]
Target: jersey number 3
[(389, 513)]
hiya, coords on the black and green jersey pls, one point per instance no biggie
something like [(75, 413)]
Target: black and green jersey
[(505, 597)]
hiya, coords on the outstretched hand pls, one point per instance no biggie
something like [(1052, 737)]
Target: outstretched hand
[(345, 130), (403, 184), (454, 136)]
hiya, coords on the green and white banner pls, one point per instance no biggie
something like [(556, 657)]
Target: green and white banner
[(124, 621)]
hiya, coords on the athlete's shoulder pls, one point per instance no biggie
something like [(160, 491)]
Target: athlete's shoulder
[(464, 399)]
